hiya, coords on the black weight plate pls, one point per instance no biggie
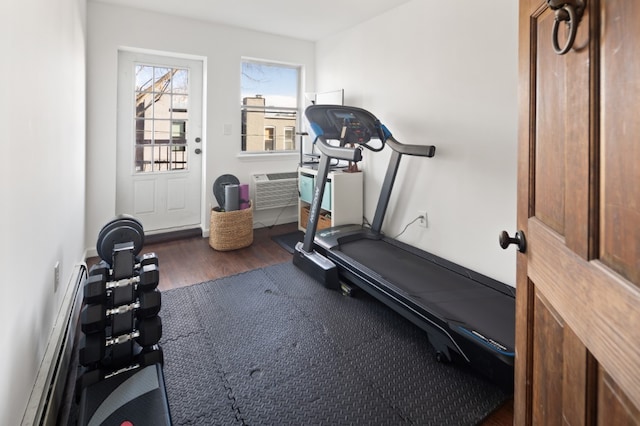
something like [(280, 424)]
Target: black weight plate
[(109, 225), (101, 236), (120, 233), (134, 223), (219, 184), (130, 217), (125, 218), (119, 230)]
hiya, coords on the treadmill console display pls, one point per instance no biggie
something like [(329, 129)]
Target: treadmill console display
[(354, 132), (352, 129), (345, 123)]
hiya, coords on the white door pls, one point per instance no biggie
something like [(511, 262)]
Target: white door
[(159, 146)]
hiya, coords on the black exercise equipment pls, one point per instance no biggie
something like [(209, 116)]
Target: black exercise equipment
[(218, 187), (133, 397), (465, 314), (120, 377), (100, 268), (146, 259), (97, 287), (122, 229), (103, 267), (146, 357), (95, 317), (147, 332)]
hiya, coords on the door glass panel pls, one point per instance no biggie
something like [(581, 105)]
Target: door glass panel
[(179, 103), (180, 82), (161, 118), (144, 78)]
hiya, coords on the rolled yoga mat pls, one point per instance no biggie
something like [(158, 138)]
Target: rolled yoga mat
[(244, 196), (231, 198)]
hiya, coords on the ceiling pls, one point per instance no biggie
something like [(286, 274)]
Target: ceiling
[(300, 19)]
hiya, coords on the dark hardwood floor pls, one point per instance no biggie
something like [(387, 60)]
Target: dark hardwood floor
[(191, 260)]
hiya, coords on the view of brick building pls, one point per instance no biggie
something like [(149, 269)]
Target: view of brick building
[(266, 129)]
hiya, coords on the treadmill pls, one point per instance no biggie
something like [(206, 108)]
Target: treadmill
[(466, 315)]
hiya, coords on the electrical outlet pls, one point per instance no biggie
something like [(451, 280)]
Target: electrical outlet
[(423, 218), (56, 276)]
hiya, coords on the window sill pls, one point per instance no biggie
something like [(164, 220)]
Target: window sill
[(268, 156)]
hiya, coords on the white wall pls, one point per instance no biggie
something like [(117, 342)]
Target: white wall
[(112, 27), (42, 106), (441, 73)]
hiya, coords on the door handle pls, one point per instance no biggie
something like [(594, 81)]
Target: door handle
[(519, 239), (198, 151), (569, 11)]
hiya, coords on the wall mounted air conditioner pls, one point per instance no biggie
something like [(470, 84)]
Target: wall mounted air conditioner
[(275, 190)]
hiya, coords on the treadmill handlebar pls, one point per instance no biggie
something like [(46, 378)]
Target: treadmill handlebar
[(416, 150), (339, 152)]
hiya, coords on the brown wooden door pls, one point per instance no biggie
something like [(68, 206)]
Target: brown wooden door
[(578, 298)]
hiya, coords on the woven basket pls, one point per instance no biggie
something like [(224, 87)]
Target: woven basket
[(231, 230)]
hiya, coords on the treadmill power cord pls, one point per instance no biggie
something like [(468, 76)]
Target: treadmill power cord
[(408, 224)]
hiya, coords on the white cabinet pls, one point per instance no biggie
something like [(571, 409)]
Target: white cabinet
[(342, 202)]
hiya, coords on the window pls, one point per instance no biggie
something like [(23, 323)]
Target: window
[(269, 136), (289, 138), (269, 106), (161, 99)]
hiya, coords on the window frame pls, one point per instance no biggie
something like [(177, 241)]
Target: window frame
[(297, 110)]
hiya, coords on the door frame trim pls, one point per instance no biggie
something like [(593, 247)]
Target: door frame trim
[(204, 212)]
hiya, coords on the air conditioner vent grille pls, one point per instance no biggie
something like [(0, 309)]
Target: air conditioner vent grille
[(275, 190), (280, 176)]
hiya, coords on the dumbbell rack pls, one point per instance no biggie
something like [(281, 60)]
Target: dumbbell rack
[(121, 377)]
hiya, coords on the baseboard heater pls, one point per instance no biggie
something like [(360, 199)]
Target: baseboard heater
[(275, 190), (47, 396)]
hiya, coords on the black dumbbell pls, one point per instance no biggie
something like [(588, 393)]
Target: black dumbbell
[(149, 356), (148, 277), (143, 359), (94, 289), (93, 317), (97, 286), (101, 268), (104, 268), (147, 332), (146, 259)]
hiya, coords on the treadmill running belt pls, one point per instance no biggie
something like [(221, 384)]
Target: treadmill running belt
[(441, 291)]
